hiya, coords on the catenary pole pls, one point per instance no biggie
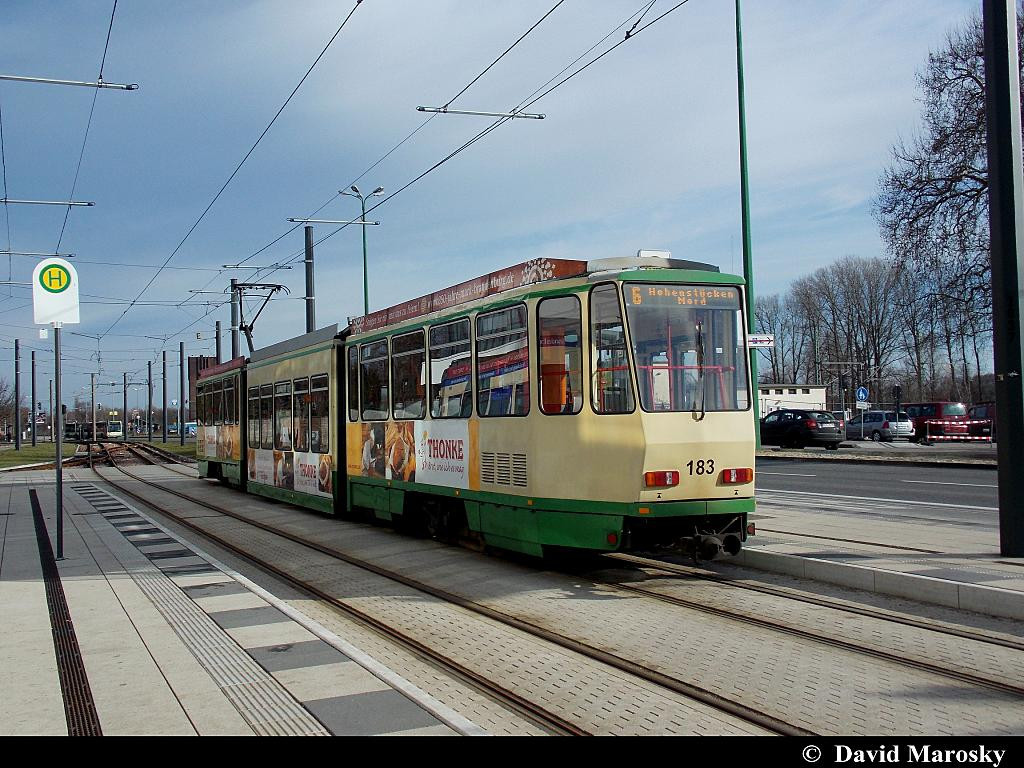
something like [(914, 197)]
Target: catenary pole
[(32, 405), (748, 264), (149, 401), (181, 392), (163, 423), (219, 351), (235, 312), (92, 384), (1006, 229), (310, 292), (17, 395)]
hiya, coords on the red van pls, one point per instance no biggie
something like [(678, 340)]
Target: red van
[(947, 412)]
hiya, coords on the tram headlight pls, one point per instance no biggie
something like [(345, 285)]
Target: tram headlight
[(662, 479)]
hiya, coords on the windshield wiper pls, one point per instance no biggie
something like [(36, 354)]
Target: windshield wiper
[(700, 369)]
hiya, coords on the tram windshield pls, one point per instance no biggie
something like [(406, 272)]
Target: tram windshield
[(688, 346)]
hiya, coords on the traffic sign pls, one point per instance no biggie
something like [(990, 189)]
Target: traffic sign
[(55, 292), (760, 340), (862, 405), (862, 394)]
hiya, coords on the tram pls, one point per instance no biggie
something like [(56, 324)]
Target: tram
[(557, 404)]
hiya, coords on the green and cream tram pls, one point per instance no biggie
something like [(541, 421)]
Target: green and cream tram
[(558, 404), (553, 405)]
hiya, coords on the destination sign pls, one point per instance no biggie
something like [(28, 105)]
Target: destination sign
[(661, 295)]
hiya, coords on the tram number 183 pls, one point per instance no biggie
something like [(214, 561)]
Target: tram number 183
[(701, 466)]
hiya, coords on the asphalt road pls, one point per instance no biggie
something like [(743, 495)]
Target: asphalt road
[(946, 494)]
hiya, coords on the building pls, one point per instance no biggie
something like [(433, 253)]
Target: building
[(772, 397)]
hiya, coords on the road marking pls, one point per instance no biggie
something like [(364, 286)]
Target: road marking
[(938, 482), (785, 474), (875, 498)]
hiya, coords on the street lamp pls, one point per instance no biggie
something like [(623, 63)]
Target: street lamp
[(362, 201)]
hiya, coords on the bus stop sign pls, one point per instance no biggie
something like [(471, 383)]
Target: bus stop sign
[(55, 292)]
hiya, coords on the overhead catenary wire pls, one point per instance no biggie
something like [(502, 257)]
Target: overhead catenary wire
[(407, 137), (88, 125), (231, 177), (533, 98)]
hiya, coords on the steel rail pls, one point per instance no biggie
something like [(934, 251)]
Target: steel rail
[(714, 700), (546, 718), (700, 573), (834, 642)]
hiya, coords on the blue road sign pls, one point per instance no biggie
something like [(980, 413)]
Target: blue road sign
[(862, 394)]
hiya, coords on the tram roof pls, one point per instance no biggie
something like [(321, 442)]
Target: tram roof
[(318, 336), (510, 278)]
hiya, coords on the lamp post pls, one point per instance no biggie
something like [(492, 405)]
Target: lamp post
[(362, 202)]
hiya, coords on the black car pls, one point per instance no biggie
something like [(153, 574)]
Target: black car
[(792, 428)]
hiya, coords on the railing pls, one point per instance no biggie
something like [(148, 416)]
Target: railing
[(929, 438)]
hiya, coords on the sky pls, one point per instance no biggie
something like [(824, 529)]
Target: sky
[(641, 150)]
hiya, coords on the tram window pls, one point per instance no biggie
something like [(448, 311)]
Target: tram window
[(410, 394), (267, 416), (217, 417), (300, 411), (612, 389), (451, 385), (353, 383), (320, 414), (283, 416), (503, 363), (254, 417), (560, 355), (373, 380), (688, 347), (200, 409), (230, 404)]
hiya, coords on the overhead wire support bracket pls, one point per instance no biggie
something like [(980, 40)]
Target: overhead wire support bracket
[(82, 83), (513, 114), (357, 222), (8, 201)]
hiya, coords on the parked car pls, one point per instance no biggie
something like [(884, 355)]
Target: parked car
[(945, 411), (879, 426), (982, 411), (792, 428), (840, 417)]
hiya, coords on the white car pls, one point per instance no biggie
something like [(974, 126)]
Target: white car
[(879, 426)]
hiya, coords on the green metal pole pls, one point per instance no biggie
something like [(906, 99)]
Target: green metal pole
[(748, 265), (366, 284)]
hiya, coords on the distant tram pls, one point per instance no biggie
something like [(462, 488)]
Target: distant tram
[(554, 405)]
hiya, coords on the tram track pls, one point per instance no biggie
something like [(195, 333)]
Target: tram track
[(818, 637), (554, 721), (696, 572)]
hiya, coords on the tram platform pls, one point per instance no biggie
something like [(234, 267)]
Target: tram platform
[(944, 554), (136, 631)]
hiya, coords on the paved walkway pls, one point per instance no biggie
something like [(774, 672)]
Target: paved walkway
[(898, 547), (161, 639)]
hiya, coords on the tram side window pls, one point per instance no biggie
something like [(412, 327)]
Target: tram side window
[(200, 398), (612, 388), (300, 409), (407, 358), (283, 416), (559, 331), (319, 414), (267, 416), (217, 417), (373, 380), (451, 371), (230, 404), (353, 383), (503, 363), (254, 417)]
